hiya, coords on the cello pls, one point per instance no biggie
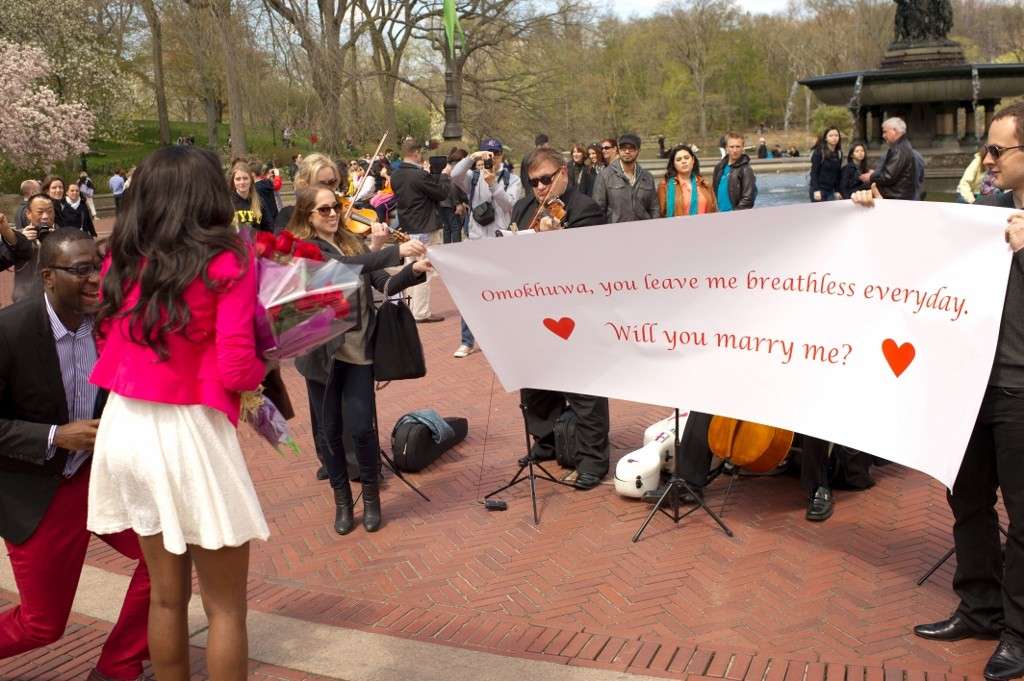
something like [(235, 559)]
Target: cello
[(756, 447)]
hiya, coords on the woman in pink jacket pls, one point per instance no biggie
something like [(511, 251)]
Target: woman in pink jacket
[(177, 348)]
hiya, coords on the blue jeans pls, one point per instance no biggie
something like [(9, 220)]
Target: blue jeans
[(467, 335)]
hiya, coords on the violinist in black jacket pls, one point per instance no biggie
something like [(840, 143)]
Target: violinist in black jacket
[(339, 374), (547, 176)]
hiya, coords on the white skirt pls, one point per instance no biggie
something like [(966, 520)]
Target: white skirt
[(172, 469)]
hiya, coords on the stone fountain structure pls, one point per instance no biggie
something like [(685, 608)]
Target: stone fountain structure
[(925, 80)]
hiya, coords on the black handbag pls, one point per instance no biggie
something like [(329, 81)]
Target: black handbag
[(397, 351)]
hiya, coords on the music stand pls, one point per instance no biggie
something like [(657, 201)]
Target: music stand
[(677, 486), (947, 556), (528, 463)]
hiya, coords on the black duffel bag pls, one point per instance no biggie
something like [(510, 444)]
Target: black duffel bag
[(413, 447)]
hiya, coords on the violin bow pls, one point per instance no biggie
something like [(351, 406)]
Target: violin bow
[(352, 204)]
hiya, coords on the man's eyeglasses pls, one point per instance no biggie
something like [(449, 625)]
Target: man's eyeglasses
[(325, 211), (605, 147), (545, 180), (627, 147), (995, 151), (82, 270)]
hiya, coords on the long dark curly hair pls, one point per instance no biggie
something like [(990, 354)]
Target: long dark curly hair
[(175, 219)]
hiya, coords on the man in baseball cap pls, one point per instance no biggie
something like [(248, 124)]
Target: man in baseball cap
[(625, 191)]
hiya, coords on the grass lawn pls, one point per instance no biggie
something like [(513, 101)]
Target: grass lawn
[(106, 156)]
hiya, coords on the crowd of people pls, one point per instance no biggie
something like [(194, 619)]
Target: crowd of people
[(145, 341)]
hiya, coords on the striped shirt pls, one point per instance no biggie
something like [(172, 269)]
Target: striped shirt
[(76, 351)]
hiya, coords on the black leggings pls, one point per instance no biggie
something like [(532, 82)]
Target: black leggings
[(346, 403)]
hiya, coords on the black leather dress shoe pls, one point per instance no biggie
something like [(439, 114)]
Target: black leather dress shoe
[(820, 506), (1007, 662), (956, 628), (586, 481)]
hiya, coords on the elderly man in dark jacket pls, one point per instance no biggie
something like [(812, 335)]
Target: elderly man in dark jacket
[(734, 183), (896, 177), (625, 191)]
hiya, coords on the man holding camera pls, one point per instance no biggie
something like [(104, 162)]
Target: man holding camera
[(39, 223), (492, 192), (15, 249), (419, 195)]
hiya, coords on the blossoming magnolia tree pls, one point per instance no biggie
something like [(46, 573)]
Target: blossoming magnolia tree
[(36, 128)]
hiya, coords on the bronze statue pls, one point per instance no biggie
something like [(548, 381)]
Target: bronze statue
[(923, 21)]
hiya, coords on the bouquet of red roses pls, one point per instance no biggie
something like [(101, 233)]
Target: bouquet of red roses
[(303, 297)]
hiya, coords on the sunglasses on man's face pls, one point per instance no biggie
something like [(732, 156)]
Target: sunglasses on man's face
[(545, 180), (325, 211), (995, 151), (606, 148)]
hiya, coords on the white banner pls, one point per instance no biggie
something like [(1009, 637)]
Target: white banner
[(871, 327)]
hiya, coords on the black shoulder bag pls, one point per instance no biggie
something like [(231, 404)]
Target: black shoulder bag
[(397, 351)]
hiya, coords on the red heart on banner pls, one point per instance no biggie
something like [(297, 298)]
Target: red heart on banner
[(899, 357), (562, 328)]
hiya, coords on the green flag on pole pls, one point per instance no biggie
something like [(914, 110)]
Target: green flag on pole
[(451, 25)]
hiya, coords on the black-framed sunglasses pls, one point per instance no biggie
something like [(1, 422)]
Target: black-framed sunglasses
[(606, 148), (82, 270), (333, 182), (545, 180), (995, 151), (325, 211)]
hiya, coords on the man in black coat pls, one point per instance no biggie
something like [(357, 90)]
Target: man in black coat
[(896, 177), (547, 176), (39, 221), (419, 196), (48, 424), (990, 584)]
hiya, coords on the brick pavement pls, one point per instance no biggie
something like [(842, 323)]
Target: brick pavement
[(785, 600)]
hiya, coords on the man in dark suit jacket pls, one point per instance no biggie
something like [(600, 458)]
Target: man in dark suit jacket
[(547, 175), (988, 578), (48, 422)]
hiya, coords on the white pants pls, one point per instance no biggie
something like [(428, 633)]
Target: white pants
[(419, 295)]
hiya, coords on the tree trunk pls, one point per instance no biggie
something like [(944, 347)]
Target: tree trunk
[(790, 103), (387, 91), (222, 15), (212, 121), (156, 42)]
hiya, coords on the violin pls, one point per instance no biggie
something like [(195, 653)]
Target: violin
[(360, 221), (755, 447), (553, 208)]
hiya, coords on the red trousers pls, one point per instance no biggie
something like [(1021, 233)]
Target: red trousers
[(47, 568)]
